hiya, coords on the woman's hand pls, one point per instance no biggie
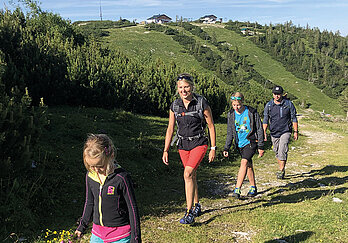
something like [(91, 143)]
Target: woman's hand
[(165, 157), (212, 155), (225, 153)]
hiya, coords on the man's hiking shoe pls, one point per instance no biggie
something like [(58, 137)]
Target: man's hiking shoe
[(252, 192), (236, 193), (280, 174), (197, 210), (188, 218)]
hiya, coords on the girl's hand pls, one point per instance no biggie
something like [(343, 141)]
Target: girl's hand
[(225, 153), (165, 158), (78, 233)]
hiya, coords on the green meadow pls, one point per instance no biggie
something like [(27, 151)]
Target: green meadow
[(309, 205)]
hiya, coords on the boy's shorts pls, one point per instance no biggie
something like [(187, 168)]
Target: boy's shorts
[(194, 156), (248, 151)]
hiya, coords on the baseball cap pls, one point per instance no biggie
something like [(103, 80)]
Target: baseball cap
[(277, 90)]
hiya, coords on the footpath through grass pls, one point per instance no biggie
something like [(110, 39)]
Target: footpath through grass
[(308, 206)]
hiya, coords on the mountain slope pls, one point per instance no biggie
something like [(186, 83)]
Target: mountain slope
[(275, 71), (140, 43)]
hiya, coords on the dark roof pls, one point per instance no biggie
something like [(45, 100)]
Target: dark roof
[(209, 16), (159, 16)]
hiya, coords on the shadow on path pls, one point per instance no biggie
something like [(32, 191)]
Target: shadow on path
[(327, 170), (319, 185), (299, 237)]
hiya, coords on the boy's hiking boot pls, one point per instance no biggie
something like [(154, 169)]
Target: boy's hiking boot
[(236, 193), (188, 218), (197, 210), (252, 191), (280, 174)]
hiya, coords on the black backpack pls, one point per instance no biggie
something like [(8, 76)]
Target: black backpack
[(199, 110)]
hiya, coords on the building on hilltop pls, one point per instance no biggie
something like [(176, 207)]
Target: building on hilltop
[(208, 19), (159, 19), (246, 31)]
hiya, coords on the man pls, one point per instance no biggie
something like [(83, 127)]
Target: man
[(280, 114)]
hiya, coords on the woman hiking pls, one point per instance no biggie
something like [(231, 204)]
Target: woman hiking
[(192, 113)]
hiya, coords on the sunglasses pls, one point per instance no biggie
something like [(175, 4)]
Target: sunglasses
[(185, 77), (236, 98)]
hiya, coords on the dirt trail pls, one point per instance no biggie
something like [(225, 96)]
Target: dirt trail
[(298, 169)]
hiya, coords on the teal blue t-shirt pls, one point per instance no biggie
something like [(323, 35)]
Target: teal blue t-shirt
[(242, 123)]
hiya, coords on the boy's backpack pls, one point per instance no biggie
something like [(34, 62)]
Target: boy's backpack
[(198, 110)]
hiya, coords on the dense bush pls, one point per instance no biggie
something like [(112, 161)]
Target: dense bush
[(20, 128)]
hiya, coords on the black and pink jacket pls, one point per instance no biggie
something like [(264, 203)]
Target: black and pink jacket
[(112, 204)]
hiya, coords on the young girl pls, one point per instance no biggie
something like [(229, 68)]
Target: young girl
[(245, 128), (191, 112), (109, 195)]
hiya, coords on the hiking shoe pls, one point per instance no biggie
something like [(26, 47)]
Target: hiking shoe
[(188, 218), (252, 192), (236, 193), (197, 210), (280, 174)]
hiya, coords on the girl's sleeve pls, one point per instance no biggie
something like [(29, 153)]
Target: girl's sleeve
[(129, 195), (259, 131), (229, 137), (88, 208)]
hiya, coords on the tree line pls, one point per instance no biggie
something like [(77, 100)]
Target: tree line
[(319, 57)]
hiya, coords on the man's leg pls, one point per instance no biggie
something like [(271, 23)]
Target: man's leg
[(282, 154)]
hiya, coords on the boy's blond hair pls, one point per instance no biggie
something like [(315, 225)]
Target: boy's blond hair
[(99, 146)]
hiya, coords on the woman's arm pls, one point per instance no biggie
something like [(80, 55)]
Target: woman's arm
[(210, 123), (169, 135)]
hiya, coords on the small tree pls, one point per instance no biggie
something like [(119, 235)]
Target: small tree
[(343, 99)]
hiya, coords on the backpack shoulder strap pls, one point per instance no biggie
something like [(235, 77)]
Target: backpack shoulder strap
[(199, 107), (176, 108), (269, 105)]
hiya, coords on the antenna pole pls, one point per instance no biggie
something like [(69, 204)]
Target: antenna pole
[(100, 11)]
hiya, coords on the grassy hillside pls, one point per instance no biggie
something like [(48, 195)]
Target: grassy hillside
[(143, 44), (301, 208), (137, 41), (275, 71)]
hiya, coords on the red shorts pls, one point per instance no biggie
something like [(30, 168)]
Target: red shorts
[(193, 157)]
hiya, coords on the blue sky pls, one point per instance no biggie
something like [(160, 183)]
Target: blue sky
[(330, 15)]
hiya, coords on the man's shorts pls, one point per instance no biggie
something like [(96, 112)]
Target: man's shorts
[(248, 151), (280, 146), (194, 156)]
